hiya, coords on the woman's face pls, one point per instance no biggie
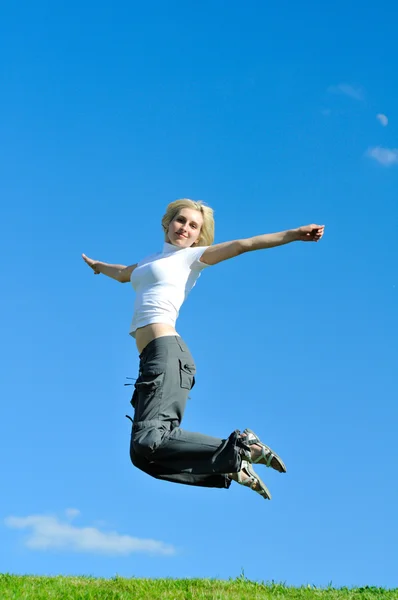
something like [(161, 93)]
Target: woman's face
[(184, 229)]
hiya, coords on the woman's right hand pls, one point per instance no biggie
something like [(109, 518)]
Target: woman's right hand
[(91, 263)]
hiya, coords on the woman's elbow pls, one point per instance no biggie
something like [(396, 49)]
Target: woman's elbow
[(244, 245)]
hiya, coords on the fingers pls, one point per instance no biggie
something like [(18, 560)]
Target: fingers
[(317, 232), (312, 233), (316, 237), (90, 263)]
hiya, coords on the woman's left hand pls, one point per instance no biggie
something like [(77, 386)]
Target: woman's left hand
[(310, 233), (91, 263)]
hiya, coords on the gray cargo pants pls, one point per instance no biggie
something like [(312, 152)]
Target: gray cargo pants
[(158, 445)]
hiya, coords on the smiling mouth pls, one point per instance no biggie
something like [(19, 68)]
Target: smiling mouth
[(181, 235)]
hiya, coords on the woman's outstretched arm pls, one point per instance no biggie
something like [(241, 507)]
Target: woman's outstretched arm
[(120, 273), (219, 252)]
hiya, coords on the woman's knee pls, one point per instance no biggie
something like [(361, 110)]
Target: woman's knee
[(146, 439)]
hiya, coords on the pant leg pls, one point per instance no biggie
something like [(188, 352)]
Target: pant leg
[(165, 473), (158, 443)]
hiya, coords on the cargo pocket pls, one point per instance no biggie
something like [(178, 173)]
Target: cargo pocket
[(133, 400), (187, 375), (147, 396)]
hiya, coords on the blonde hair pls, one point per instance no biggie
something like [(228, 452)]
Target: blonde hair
[(206, 237)]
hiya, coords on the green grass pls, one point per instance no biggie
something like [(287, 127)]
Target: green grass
[(28, 587)]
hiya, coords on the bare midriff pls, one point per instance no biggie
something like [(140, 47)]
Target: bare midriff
[(144, 335)]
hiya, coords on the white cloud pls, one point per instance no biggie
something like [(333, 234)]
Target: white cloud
[(383, 119), (385, 156), (353, 91), (50, 533)]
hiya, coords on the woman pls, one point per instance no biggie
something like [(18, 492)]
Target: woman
[(162, 282)]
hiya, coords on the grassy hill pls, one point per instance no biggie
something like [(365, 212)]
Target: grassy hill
[(87, 588)]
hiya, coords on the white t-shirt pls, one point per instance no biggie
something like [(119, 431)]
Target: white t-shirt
[(162, 282)]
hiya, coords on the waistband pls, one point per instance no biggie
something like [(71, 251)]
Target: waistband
[(163, 341)]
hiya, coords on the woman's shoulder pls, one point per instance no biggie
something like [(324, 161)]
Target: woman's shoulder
[(149, 258)]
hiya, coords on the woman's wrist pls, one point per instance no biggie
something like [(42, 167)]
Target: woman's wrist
[(293, 235)]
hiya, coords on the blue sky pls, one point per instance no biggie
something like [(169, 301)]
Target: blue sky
[(277, 115)]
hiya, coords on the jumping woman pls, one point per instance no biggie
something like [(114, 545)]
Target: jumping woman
[(167, 370)]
